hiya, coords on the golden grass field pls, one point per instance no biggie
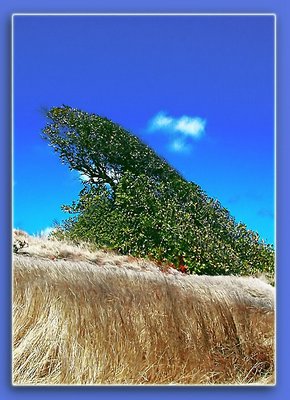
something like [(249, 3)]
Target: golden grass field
[(93, 317)]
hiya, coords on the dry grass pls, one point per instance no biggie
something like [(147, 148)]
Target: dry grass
[(100, 318)]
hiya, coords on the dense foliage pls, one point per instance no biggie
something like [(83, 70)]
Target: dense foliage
[(136, 203)]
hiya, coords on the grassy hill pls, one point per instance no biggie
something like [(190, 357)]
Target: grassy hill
[(85, 316)]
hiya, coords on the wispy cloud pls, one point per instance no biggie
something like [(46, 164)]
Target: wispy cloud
[(110, 172), (180, 129), (180, 146), (160, 122), (185, 125), (46, 232), (83, 177), (190, 126)]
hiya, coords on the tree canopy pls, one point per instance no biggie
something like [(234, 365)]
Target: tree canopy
[(133, 201), (101, 149)]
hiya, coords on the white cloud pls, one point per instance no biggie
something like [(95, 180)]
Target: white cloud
[(184, 125), (179, 146), (46, 232), (84, 177), (190, 126), (161, 121), (181, 130), (110, 172)]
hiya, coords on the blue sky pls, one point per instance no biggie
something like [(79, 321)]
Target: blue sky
[(199, 90)]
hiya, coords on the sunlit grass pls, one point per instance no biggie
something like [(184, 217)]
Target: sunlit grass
[(89, 317)]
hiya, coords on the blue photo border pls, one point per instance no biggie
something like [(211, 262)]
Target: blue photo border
[(279, 7)]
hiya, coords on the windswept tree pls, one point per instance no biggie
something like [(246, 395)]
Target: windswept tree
[(135, 202), (101, 149)]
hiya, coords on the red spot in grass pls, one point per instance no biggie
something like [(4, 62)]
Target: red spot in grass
[(183, 269)]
